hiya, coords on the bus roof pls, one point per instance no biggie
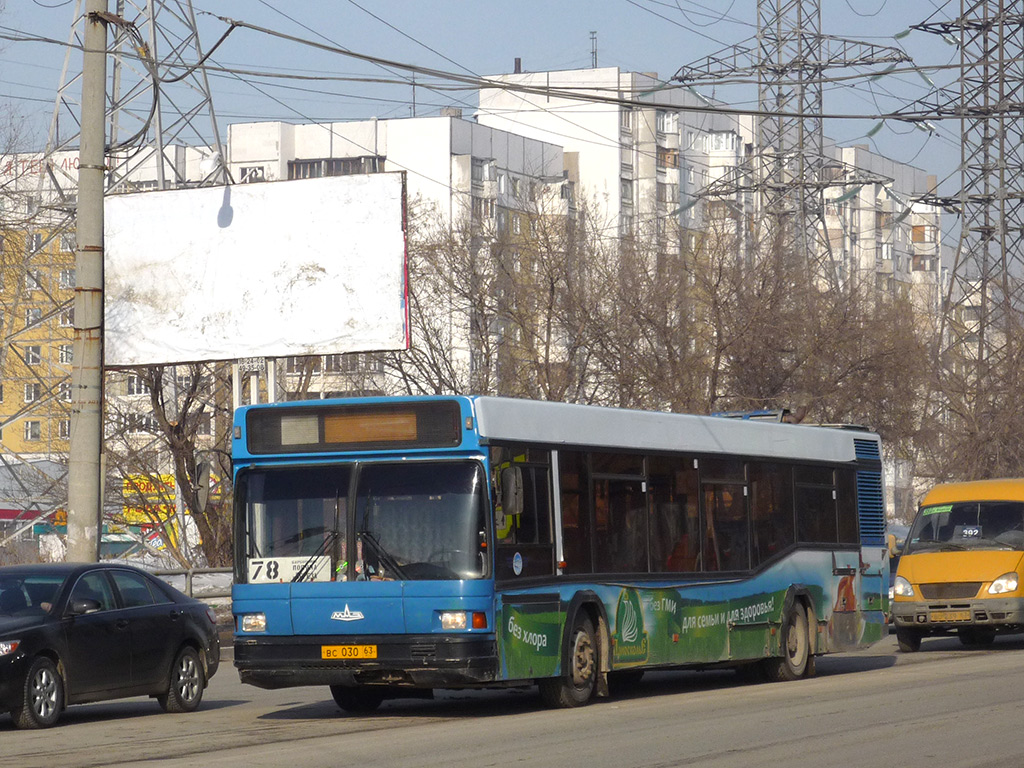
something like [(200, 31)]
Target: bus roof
[(1003, 489), (554, 423)]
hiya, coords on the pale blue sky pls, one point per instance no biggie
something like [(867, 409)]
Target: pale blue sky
[(484, 38)]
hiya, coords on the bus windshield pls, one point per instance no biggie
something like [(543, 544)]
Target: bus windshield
[(412, 521), (968, 525)]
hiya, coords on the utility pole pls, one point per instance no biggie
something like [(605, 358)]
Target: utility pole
[(84, 467)]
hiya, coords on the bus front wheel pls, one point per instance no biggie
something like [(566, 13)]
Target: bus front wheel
[(576, 686), (795, 647), (358, 700)]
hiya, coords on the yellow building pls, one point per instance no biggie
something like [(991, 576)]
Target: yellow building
[(37, 280)]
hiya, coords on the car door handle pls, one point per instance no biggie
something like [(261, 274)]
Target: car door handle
[(175, 615), (121, 624)]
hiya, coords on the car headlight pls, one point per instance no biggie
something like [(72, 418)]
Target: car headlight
[(1005, 583), (8, 646), (902, 587), (254, 622)]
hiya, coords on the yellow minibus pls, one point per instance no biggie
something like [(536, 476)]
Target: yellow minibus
[(961, 565)]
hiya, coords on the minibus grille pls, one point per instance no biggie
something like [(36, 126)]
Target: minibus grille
[(951, 590)]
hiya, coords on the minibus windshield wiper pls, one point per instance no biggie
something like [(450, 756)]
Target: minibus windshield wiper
[(383, 555)]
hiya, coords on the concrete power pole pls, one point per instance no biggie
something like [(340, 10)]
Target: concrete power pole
[(84, 466)]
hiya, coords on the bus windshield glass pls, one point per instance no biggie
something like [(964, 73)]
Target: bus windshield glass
[(412, 522), (420, 521), (968, 525)]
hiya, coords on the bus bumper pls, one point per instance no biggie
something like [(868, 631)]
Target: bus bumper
[(424, 661), (947, 616)]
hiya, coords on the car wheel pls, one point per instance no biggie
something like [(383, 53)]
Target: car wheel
[(187, 681), (42, 697)]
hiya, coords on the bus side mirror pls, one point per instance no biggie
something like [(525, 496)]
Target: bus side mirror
[(893, 546), (512, 490)]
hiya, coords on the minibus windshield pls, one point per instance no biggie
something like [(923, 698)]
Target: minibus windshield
[(968, 525)]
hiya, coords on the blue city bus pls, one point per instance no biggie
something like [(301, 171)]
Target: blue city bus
[(387, 547)]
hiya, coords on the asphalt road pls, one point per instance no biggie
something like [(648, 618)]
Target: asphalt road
[(944, 706)]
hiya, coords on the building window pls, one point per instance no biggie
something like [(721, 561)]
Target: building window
[(66, 354), (723, 140), (33, 316), (64, 391), (516, 226), (33, 430), (923, 233), (136, 386), (516, 187), (668, 158), (626, 119), (252, 174), (483, 208), (626, 190), (334, 166), (482, 170), (68, 244), (33, 355), (33, 280), (67, 278), (32, 392), (67, 318), (300, 364), (64, 428), (665, 193), (34, 241)]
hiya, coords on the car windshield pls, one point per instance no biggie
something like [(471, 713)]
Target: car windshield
[(408, 521), (26, 594), (968, 525)]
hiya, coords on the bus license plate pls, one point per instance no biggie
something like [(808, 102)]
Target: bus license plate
[(950, 615), (348, 651)]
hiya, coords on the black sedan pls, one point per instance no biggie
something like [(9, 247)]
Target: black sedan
[(72, 633)]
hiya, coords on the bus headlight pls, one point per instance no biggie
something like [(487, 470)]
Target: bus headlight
[(254, 622), (1005, 583), (463, 620), (902, 587), (453, 619)]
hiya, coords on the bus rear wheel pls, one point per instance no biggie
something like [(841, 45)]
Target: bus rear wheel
[(795, 646), (576, 686), (358, 700)]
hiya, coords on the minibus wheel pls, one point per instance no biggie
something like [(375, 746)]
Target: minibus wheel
[(909, 640), (976, 636)]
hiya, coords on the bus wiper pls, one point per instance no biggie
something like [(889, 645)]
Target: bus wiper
[(308, 567), (382, 554)]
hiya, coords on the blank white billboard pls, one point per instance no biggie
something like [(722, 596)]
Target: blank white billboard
[(313, 266)]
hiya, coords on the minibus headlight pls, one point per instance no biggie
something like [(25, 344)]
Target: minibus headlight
[(254, 622), (902, 587), (1005, 583)]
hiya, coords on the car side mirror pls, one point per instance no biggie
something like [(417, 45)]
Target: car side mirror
[(82, 605)]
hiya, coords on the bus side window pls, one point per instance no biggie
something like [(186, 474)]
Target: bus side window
[(528, 533)]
